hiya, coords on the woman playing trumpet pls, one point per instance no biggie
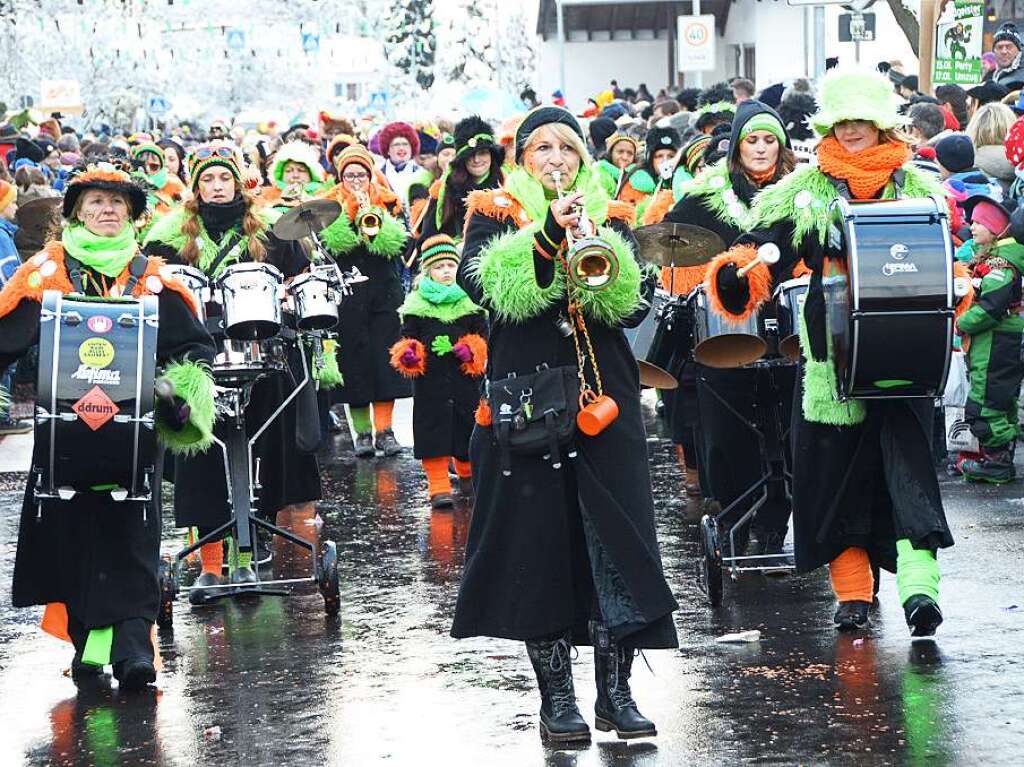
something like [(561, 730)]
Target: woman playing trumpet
[(562, 556), (368, 236)]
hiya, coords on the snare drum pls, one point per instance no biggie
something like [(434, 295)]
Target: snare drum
[(316, 305), (651, 344), (789, 303), (242, 362), (890, 306), (94, 397), (196, 282), (250, 299), (721, 342)]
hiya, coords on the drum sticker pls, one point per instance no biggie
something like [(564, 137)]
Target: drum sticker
[(96, 352), (100, 323), (95, 408), (96, 376)]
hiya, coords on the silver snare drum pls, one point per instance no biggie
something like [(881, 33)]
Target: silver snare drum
[(249, 296), (789, 304), (196, 282), (316, 306), (719, 342)]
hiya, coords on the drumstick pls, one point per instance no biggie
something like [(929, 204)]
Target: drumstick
[(766, 254)]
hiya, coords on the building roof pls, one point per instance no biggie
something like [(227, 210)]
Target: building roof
[(626, 20)]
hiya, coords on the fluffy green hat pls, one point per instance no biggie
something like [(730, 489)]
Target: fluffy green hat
[(856, 94)]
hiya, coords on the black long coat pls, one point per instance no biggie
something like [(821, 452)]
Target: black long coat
[(288, 475), (444, 398), (98, 557), (531, 570), (368, 325)]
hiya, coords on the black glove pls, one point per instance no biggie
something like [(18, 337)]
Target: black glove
[(173, 413)]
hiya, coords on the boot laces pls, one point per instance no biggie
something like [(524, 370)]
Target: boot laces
[(560, 691), (618, 689)]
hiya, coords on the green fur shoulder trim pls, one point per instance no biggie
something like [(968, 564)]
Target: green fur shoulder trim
[(802, 197), (919, 183), (415, 305), (194, 384), (340, 237), (505, 273), (714, 187), (167, 229)]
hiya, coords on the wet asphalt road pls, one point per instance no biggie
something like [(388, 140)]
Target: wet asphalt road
[(277, 683)]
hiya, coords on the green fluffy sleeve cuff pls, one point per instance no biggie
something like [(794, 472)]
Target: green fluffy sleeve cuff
[(327, 374), (505, 273), (390, 239), (820, 402), (339, 238), (194, 384), (621, 298)]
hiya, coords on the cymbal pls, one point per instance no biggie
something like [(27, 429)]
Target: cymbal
[(669, 244), (653, 377), (307, 218)]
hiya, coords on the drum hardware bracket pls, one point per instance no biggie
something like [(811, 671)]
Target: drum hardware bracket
[(126, 320), (72, 319)]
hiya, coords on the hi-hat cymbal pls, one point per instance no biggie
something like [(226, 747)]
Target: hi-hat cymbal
[(303, 220), (669, 244)]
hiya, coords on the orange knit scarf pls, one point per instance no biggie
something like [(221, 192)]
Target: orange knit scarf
[(867, 171), (762, 178)]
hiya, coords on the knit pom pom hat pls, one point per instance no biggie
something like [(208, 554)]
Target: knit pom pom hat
[(355, 154), (300, 152), (856, 94), (215, 153), (435, 249)]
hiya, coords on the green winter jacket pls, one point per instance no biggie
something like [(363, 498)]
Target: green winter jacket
[(999, 289)]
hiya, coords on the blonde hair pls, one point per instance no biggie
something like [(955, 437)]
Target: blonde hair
[(566, 134), (990, 124)]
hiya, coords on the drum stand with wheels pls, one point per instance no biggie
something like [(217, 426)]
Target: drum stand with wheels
[(775, 474), (243, 484)]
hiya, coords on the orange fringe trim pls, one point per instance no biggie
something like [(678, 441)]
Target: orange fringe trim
[(962, 270), (680, 280), (476, 366), (399, 347), (801, 269), (482, 201), (483, 413), (622, 211), (659, 207), (19, 289), (759, 281), (631, 195)]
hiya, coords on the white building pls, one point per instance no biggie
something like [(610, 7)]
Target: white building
[(634, 42)]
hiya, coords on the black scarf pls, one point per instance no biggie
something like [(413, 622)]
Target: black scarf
[(219, 217)]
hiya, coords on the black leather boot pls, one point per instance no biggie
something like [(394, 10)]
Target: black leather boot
[(560, 719), (923, 615), (615, 708), (851, 616)]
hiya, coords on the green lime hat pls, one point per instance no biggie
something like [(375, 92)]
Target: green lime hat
[(856, 94)]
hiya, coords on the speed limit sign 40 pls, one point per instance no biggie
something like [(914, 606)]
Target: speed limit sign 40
[(696, 49)]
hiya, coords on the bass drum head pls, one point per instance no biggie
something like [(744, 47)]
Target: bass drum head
[(732, 350), (653, 377)]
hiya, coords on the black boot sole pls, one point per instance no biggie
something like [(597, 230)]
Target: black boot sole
[(606, 725), (137, 678), (563, 737)]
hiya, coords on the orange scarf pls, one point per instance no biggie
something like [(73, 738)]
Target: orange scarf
[(867, 171), (762, 178)]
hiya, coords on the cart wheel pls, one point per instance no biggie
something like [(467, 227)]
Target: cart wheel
[(168, 593), (328, 579), (710, 561)]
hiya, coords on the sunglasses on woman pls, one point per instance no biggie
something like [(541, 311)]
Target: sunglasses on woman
[(205, 152)]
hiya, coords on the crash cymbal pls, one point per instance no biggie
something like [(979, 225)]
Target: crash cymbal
[(669, 244), (307, 218), (653, 377)]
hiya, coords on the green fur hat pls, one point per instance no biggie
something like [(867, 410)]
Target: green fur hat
[(856, 94)]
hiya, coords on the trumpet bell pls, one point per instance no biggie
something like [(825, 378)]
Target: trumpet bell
[(369, 224), (592, 264)]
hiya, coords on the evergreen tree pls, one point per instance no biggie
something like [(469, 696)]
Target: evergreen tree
[(411, 44)]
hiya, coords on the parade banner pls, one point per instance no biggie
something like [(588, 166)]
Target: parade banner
[(958, 40)]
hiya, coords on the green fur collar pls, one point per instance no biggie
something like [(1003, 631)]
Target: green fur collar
[(529, 193), (341, 237), (804, 197), (505, 273), (416, 305), (714, 187), (168, 230)]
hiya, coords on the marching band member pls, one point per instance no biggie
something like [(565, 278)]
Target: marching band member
[(477, 165), (443, 349), (640, 183), (864, 486), (222, 225), (91, 560), (620, 153), (368, 236), (295, 175), (553, 552), (729, 460)]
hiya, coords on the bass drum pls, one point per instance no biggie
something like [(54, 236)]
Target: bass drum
[(890, 306), (653, 343), (94, 401)]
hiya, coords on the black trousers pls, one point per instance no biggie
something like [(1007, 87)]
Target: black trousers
[(131, 639)]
